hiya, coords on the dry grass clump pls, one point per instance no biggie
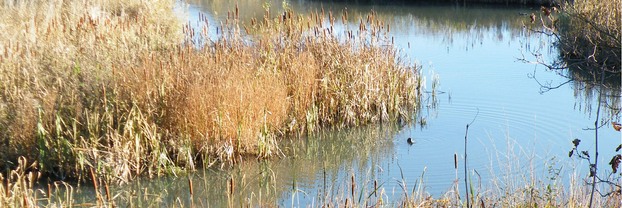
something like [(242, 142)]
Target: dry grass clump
[(20, 189), (275, 77), (591, 33), (124, 88), (57, 70)]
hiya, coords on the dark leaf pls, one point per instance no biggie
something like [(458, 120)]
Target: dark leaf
[(615, 162), (585, 153), (576, 142), (619, 147), (570, 153)]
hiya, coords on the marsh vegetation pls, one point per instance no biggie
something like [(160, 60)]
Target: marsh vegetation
[(116, 87), (274, 105)]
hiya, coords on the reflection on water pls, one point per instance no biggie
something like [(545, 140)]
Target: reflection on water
[(315, 172), (444, 21), (587, 86), (518, 133), (586, 79)]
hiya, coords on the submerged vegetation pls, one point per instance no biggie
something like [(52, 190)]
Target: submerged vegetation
[(124, 88)]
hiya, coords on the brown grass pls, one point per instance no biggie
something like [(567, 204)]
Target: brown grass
[(590, 32), (57, 71)]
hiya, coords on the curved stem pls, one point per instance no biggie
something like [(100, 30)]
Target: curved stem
[(466, 184)]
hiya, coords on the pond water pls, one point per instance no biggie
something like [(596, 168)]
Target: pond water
[(516, 132)]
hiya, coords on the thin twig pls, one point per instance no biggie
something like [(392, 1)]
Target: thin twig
[(466, 184), (593, 170)]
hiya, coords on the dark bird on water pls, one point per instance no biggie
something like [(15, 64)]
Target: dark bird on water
[(410, 141)]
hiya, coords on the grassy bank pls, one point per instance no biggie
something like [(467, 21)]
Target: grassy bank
[(589, 42), (590, 34), (119, 87)]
